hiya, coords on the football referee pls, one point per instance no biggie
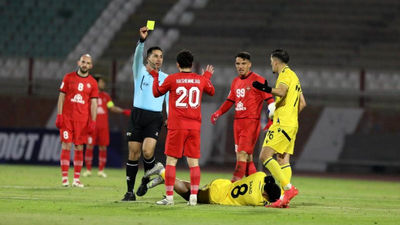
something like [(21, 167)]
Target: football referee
[(146, 116)]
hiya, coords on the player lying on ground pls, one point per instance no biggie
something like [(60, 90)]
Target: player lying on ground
[(257, 189)]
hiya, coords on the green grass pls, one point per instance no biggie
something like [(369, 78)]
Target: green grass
[(33, 195)]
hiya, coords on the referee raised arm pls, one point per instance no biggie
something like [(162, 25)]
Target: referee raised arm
[(146, 116)]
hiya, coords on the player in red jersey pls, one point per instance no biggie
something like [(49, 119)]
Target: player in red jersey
[(184, 120), (77, 111), (248, 105), (101, 136)]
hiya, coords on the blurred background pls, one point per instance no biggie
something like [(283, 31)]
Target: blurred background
[(345, 53)]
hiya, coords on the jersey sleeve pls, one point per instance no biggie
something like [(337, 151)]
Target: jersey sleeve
[(137, 60), (284, 79), (64, 85), (164, 88), (208, 86)]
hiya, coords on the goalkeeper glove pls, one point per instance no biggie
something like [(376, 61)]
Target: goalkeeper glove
[(59, 121), (262, 87), (215, 116), (126, 112), (92, 126)]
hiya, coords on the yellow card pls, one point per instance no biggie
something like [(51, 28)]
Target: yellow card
[(150, 24)]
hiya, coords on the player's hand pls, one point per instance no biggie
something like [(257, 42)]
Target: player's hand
[(209, 71), (271, 110), (262, 87), (59, 121), (214, 117), (126, 112), (143, 32), (92, 126)]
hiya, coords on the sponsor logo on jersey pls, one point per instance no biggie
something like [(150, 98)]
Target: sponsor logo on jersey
[(240, 107), (78, 99)]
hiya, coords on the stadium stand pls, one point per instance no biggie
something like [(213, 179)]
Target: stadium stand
[(45, 28)]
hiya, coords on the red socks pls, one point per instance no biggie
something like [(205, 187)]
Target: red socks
[(78, 163), (102, 159), (89, 158), (240, 171), (250, 168), (194, 180), (64, 162), (170, 173)]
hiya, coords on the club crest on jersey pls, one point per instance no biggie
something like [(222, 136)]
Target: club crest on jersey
[(88, 85), (240, 107), (78, 99)]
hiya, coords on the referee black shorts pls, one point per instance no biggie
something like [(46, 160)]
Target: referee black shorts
[(144, 123)]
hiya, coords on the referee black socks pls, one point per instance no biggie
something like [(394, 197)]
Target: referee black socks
[(131, 171), (149, 163)]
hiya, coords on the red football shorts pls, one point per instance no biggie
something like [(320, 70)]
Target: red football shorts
[(246, 132), (74, 131), (100, 137), (183, 142)]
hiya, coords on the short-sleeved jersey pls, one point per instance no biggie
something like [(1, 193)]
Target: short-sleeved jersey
[(185, 94), (247, 191), (78, 93), (248, 100), (287, 108), (104, 102)]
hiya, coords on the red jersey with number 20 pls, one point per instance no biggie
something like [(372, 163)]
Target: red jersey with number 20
[(185, 93), (78, 92), (248, 100)]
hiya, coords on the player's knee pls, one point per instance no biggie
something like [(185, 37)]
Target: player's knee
[(148, 153)]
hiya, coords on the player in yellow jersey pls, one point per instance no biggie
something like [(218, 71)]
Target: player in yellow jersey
[(282, 134), (257, 189)]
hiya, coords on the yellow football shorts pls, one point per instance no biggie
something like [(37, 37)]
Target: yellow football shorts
[(281, 138)]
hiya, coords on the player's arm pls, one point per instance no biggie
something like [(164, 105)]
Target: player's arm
[(209, 87), (280, 91), (93, 108), (116, 109), (157, 89), (302, 103), (138, 55), (60, 105), (222, 109)]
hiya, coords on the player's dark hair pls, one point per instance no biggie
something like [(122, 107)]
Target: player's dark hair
[(272, 189), (151, 49), (281, 55), (185, 59), (244, 55), (98, 77)]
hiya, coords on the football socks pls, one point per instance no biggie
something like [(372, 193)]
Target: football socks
[(88, 158), (250, 168), (148, 163), (78, 163), (102, 159), (131, 171), (170, 173), (272, 165), (240, 170), (194, 179), (64, 162)]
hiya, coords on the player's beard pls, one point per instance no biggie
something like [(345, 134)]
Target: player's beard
[(83, 71)]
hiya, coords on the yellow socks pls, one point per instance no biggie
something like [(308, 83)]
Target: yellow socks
[(273, 166)]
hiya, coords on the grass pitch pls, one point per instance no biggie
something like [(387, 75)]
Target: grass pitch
[(33, 195)]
